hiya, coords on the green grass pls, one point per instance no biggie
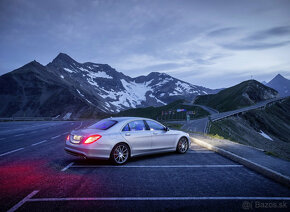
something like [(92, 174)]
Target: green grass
[(227, 129), (270, 154), (173, 125), (234, 97), (216, 136)]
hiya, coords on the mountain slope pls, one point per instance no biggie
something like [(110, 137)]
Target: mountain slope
[(267, 128), (244, 94), (156, 112), (280, 84), (65, 87), (32, 91)]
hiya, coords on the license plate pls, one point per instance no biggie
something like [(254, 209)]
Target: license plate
[(76, 139)]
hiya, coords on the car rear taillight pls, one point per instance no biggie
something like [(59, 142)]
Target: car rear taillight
[(92, 139), (67, 138)]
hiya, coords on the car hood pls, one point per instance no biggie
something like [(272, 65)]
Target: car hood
[(87, 132)]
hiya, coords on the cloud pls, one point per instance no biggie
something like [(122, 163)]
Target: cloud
[(269, 33), (222, 32), (254, 46), (260, 40), (184, 38)]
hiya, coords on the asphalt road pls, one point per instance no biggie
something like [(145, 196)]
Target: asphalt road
[(39, 176)]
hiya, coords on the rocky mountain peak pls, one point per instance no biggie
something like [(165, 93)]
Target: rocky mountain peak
[(280, 84), (62, 59), (278, 77)]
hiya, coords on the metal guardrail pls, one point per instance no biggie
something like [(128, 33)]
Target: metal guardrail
[(242, 110), (253, 107)]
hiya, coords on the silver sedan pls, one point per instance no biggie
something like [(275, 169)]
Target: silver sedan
[(120, 138)]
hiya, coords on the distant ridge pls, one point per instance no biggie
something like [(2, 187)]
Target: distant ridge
[(280, 84), (244, 94)]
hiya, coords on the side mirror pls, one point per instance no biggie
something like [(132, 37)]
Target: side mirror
[(166, 129)]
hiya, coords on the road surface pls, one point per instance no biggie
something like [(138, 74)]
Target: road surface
[(37, 175)]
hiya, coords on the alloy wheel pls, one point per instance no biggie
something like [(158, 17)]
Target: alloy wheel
[(121, 154), (182, 145)]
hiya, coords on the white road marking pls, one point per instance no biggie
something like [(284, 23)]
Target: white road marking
[(200, 149), (18, 135), (55, 137), (151, 198), (38, 143), (69, 165), (161, 166), (6, 153), (19, 204)]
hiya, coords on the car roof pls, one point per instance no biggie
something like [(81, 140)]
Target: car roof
[(121, 119)]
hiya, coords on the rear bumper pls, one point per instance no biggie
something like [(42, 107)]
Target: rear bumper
[(88, 151), (74, 153)]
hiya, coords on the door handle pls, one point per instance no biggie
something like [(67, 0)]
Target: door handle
[(127, 134), (155, 133)]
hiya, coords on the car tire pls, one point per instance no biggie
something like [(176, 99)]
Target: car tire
[(182, 145), (120, 154)]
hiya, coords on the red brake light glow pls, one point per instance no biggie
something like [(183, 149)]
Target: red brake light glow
[(67, 138), (92, 139)]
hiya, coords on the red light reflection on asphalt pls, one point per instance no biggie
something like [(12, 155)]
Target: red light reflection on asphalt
[(31, 175)]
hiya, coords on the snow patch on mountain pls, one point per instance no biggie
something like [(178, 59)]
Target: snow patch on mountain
[(69, 70), (100, 74), (164, 81), (265, 135), (132, 95), (83, 69), (80, 93), (137, 90), (157, 100), (84, 97), (67, 116)]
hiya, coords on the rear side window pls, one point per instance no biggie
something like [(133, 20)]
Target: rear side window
[(138, 125), (154, 126), (103, 124), (126, 128)]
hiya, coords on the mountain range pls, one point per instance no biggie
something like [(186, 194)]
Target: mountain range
[(65, 88)]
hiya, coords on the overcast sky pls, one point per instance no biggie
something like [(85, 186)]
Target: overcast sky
[(214, 43)]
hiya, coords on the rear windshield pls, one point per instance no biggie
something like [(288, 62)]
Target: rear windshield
[(103, 124)]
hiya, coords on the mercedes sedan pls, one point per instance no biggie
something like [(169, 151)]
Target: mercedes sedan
[(120, 138)]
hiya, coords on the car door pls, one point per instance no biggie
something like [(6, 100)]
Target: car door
[(138, 136), (161, 139)]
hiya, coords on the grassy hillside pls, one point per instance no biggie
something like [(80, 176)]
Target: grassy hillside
[(244, 94), (273, 121), (156, 112)]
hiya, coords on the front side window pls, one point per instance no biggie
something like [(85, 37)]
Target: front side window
[(137, 125), (103, 124), (154, 125)]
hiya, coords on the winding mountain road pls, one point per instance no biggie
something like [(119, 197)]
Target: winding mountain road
[(201, 125)]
